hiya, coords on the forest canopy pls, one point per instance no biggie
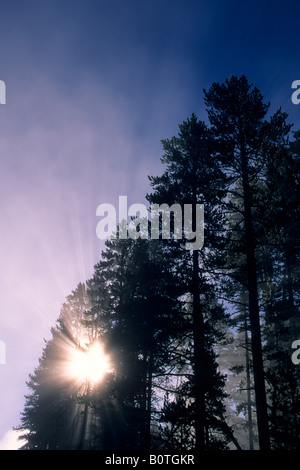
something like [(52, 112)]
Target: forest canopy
[(165, 348)]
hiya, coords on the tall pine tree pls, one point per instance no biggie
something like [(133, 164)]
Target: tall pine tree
[(192, 177)]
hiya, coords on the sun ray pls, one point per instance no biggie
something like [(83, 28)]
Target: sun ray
[(89, 365)]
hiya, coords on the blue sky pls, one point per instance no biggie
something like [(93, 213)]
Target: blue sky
[(92, 88)]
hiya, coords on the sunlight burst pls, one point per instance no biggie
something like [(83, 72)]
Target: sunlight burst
[(90, 365)]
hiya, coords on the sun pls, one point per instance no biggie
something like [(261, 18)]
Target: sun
[(89, 365)]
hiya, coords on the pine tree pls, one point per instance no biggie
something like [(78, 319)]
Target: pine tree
[(192, 177), (138, 300), (280, 285), (51, 413), (236, 115), (247, 144)]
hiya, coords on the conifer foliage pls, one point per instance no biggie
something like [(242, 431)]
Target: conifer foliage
[(169, 320)]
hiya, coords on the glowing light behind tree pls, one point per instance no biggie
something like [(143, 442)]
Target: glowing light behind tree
[(89, 365)]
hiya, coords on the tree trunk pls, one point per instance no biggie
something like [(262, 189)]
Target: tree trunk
[(198, 334), (258, 369), (249, 404), (199, 350), (147, 404)]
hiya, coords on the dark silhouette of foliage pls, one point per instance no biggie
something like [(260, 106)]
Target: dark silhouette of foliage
[(166, 315)]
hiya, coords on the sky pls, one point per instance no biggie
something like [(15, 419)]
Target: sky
[(92, 87)]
